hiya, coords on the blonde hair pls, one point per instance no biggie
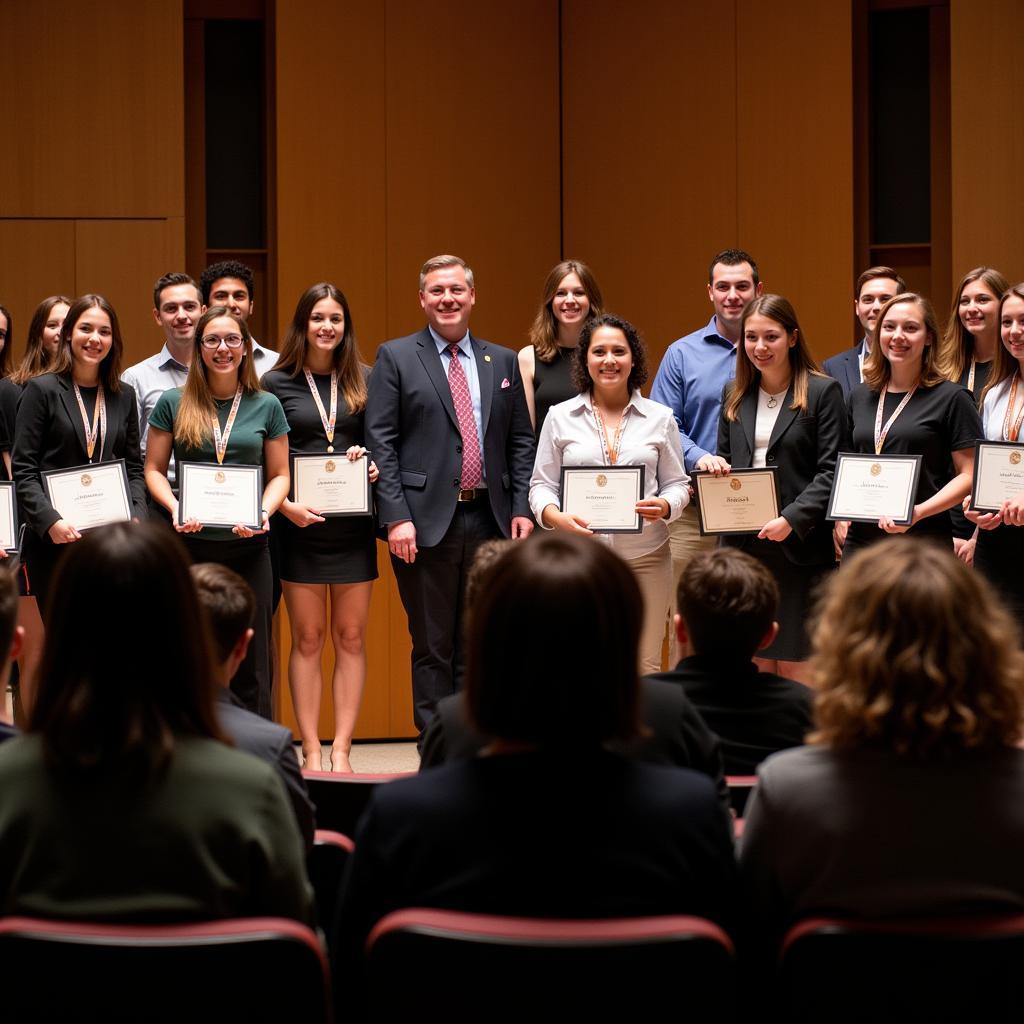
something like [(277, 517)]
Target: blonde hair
[(197, 408), (802, 365), (877, 370), (913, 653), (957, 344)]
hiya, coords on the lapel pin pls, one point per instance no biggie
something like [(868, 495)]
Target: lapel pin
[(487, 359)]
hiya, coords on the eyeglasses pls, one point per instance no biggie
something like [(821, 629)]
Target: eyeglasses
[(212, 342)]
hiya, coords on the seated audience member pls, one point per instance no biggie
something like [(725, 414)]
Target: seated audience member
[(909, 799), (123, 801), (726, 601), (229, 605), (11, 635), (546, 821), (673, 733)]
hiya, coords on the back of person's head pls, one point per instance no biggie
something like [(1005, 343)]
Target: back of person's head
[(126, 665), (228, 603), (483, 558), (914, 653), (727, 600), (552, 644)]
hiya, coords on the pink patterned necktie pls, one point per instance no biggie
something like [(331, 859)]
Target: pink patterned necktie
[(472, 471)]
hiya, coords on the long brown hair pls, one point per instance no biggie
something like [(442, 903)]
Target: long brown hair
[(1003, 365), (110, 367), (345, 355), (36, 359), (5, 353), (877, 370), (911, 654), (957, 345), (94, 711), (197, 408), (544, 331), (801, 363)]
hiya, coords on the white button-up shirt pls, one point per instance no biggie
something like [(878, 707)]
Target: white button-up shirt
[(650, 438)]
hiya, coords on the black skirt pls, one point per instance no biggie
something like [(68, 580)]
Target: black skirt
[(341, 550)]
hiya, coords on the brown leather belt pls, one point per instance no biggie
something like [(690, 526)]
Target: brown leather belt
[(471, 493)]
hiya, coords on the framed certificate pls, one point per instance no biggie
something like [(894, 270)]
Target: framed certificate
[(331, 484), (998, 474), (220, 495), (742, 501), (8, 517), (89, 496), (604, 497), (867, 487)]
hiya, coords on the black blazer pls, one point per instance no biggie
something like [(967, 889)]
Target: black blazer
[(845, 368), (49, 435), (803, 448), (413, 432)]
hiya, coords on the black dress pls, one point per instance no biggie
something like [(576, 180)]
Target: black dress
[(343, 549), (552, 383), (936, 421), (962, 527)]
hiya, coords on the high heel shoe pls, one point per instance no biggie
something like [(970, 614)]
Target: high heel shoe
[(339, 760), (312, 759)]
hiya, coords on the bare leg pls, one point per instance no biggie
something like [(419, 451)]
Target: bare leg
[(350, 608), (307, 610), (31, 651)]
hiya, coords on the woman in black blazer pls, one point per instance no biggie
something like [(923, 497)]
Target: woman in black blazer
[(782, 413), (80, 399)]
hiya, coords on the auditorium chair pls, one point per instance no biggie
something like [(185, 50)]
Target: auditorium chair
[(249, 969), (740, 788), (340, 798), (326, 866), (480, 966), (919, 969)]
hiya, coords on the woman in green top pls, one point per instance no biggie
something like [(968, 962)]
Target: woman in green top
[(221, 415)]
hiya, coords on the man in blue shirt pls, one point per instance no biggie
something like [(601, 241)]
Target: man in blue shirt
[(690, 382)]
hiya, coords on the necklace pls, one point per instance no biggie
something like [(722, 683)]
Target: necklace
[(773, 400)]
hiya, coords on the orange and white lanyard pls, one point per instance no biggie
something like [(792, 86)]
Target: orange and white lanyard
[(1012, 431), (880, 431), (327, 421), (610, 452), (220, 441), (99, 420)]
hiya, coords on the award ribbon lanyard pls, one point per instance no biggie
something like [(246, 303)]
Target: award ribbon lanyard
[(330, 421), (220, 442), (882, 432), (610, 452), (99, 420), (970, 375), (1012, 431)]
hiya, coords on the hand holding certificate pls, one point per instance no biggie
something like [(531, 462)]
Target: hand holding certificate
[(332, 485), (742, 501), (88, 496), (998, 475), (605, 498), (214, 494), (870, 488)]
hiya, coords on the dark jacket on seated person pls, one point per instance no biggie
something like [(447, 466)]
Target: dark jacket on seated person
[(7, 732), (271, 743), (753, 713), (676, 735)]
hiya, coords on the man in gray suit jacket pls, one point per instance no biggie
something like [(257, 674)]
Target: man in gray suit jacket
[(229, 606), (448, 425)]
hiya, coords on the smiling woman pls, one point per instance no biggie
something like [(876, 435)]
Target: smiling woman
[(222, 415), (77, 414)]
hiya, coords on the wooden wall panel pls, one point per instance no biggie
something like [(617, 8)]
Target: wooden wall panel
[(473, 154), (794, 129), (92, 109), (331, 203), (121, 259), (987, 86), (649, 154), (37, 259)]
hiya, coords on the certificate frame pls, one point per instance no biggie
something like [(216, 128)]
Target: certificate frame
[(850, 469), (999, 456), (577, 482), (192, 475), (304, 475), (59, 485), (8, 517), (706, 488)]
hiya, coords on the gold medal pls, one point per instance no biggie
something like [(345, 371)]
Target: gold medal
[(99, 420)]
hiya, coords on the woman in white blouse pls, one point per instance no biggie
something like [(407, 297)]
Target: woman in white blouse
[(609, 423)]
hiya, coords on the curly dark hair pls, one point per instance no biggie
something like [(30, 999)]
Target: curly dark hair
[(581, 378), (225, 268)]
